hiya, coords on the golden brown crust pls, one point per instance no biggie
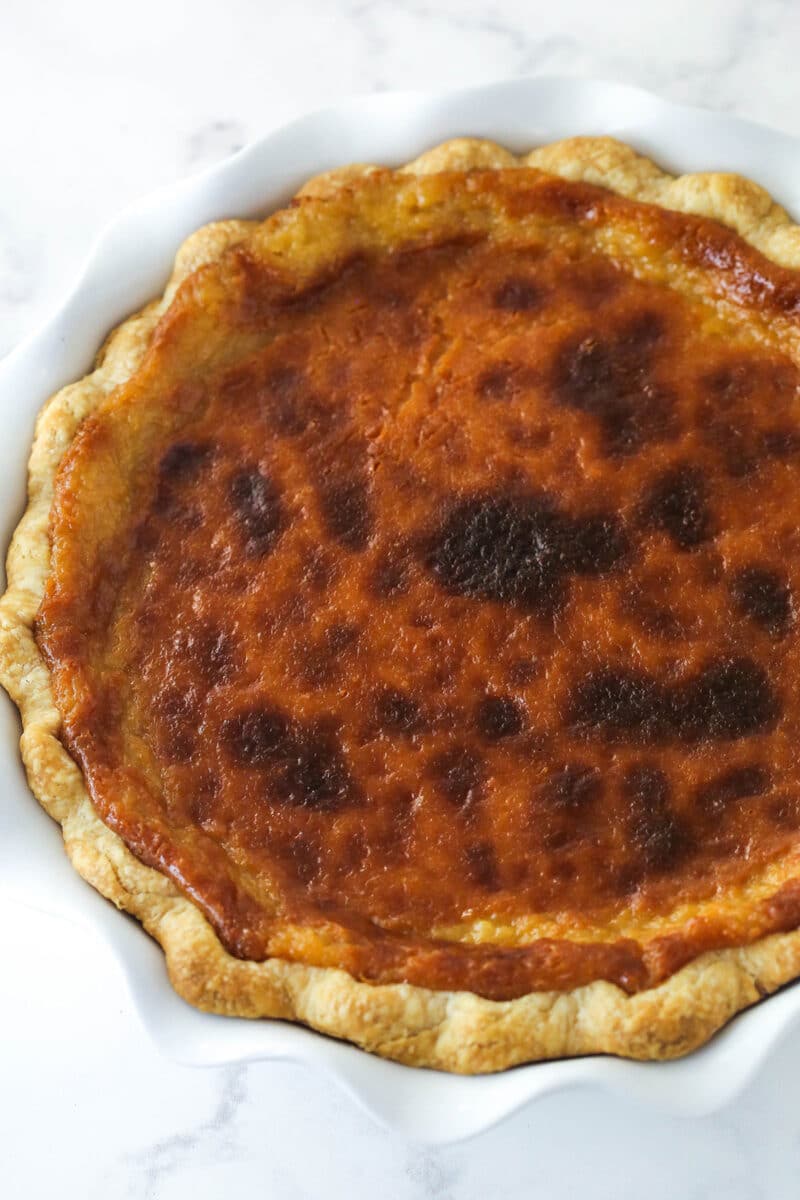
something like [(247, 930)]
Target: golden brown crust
[(453, 1031)]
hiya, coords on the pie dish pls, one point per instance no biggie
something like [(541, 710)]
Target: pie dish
[(724, 706)]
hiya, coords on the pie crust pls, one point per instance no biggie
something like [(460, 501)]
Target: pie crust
[(452, 1030)]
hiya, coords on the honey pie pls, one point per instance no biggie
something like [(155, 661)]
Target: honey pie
[(403, 620)]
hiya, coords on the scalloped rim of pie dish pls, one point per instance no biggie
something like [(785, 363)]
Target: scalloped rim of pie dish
[(454, 1031)]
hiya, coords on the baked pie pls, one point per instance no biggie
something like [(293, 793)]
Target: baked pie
[(403, 620)]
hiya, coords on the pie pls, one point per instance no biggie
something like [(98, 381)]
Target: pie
[(404, 617)]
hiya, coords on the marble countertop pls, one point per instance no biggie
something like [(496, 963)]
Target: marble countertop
[(100, 105)]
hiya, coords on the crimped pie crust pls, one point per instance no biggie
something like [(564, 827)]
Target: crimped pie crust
[(456, 1031)]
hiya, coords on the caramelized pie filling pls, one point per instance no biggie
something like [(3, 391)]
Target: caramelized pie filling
[(425, 604)]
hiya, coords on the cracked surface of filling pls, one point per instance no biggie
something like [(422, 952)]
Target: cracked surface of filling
[(425, 603)]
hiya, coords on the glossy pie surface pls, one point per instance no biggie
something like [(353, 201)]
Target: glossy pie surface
[(424, 604)]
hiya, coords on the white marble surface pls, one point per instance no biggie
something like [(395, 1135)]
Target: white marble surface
[(99, 104)]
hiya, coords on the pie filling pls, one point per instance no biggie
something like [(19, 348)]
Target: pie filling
[(425, 604)]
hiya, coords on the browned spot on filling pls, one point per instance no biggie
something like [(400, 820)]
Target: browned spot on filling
[(183, 462), (346, 510), (181, 466), (397, 712), (762, 594), (258, 510), (614, 381), (782, 443), (573, 786), (213, 651), (735, 784), (728, 699), (676, 504), (523, 671), (456, 775), (499, 717), (482, 866), (257, 737), (305, 767), (519, 550), (656, 833)]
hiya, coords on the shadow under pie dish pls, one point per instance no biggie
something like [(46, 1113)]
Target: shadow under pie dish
[(411, 590)]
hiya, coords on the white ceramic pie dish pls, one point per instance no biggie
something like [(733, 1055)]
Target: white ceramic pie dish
[(128, 266)]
